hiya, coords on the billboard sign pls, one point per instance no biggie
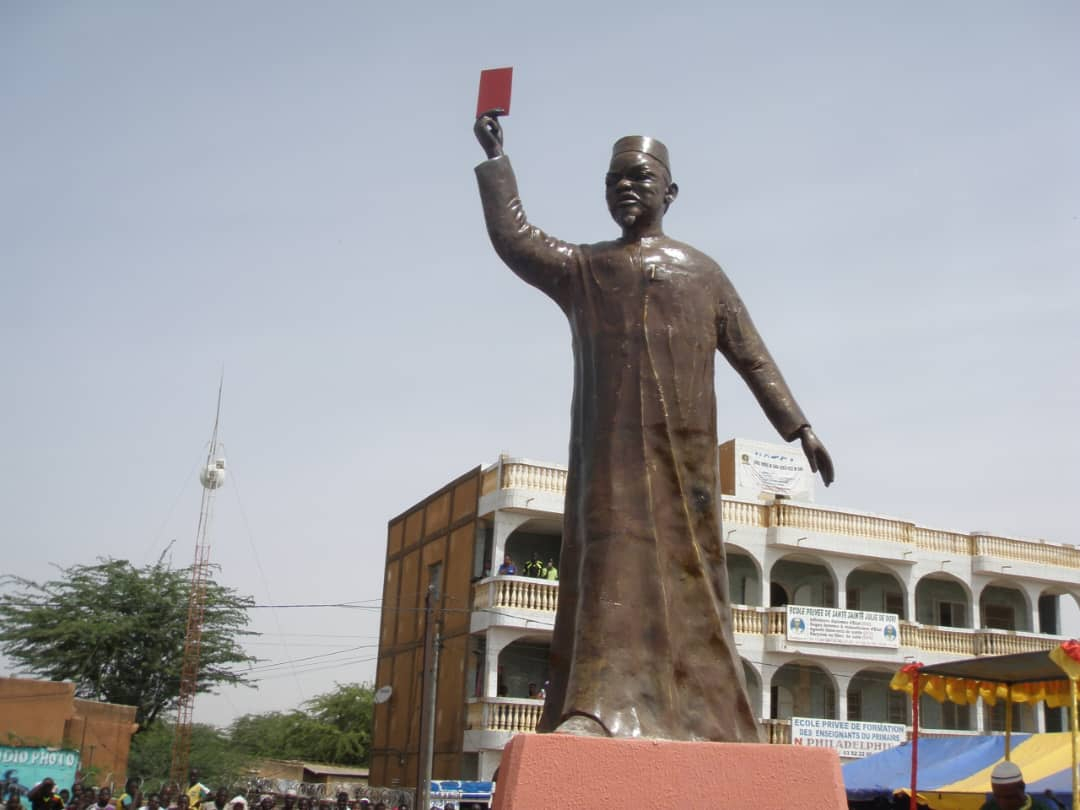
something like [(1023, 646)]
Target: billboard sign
[(22, 768), (849, 738), (854, 628)]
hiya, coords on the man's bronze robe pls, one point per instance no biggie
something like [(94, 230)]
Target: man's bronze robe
[(643, 641)]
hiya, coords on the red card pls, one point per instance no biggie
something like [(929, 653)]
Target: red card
[(495, 90)]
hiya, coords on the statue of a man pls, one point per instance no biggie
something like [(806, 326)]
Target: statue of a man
[(643, 645)]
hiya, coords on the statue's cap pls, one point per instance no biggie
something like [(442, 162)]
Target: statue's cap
[(642, 143)]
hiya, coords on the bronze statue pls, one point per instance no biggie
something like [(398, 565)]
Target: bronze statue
[(643, 645)]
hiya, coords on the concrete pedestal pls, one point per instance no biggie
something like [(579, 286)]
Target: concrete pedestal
[(545, 771)]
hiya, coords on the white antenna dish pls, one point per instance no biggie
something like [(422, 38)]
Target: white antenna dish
[(383, 694), (213, 474)]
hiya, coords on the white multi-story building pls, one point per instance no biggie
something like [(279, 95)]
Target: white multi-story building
[(951, 594)]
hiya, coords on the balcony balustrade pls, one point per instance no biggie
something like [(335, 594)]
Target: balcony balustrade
[(809, 518), (517, 593), (512, 715), (522, 593)]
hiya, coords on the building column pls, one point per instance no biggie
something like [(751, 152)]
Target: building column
[(504, 525), (843, 682)]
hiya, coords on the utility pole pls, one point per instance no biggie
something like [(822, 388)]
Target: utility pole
[(432, 642)]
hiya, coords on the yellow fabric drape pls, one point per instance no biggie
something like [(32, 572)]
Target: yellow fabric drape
[(966, 691)]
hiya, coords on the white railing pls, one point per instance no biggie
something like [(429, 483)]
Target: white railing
[(522, 475), (804, 517), (514, 715), (522, 593), (517, 593)]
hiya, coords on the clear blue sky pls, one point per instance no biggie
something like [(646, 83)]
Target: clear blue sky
[(286, 190)]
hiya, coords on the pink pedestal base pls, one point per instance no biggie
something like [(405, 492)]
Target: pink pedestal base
[(545, 771)]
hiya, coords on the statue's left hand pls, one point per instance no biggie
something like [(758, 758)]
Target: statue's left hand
[(816, 454)]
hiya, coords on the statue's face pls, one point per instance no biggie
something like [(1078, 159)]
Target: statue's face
[(637, 189)]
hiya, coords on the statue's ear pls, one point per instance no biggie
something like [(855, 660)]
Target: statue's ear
[(670, 195)]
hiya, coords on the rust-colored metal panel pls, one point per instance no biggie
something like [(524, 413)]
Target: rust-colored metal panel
[(727, 467), (381, 716), (434, 551), (437, 515), (490, 481), (417, 701), (393, 538), (391, 582), (414, 527), (459, 560), (446, 765), (466, 496), (449, 724), (401, 704), (409, 599)]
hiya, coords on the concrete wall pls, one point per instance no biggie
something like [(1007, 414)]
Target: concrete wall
[(34, 712), (48, 713)]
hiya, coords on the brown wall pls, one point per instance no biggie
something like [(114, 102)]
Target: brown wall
[(439, 529), (34, 712), (48, 713), (727, 467), (102, 732)]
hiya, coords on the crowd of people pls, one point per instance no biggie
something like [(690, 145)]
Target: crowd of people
[(196, 796), (535, 567)]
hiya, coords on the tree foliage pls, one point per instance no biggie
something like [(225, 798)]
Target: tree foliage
[(118, 631), (335, 728), (218, 761)]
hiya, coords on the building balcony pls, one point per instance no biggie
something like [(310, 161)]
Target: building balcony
[(516, 593), (530, 603), (549, 482)]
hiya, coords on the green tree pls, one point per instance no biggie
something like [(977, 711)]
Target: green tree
[(334, 727), (218, 761), (118, 631)]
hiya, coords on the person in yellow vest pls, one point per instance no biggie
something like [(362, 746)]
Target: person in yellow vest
[(130, 798), (196, 790), (551, 572)]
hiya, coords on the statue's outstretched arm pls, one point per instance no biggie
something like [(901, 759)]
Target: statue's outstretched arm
[(539, 259)]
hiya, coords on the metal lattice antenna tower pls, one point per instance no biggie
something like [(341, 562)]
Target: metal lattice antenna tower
[(212, 477)]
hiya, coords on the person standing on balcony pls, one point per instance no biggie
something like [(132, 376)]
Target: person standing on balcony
[(507, 569), (643, 644), (551, 573), (535, 566)]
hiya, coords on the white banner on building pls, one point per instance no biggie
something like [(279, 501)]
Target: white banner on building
[(770, 469), (856, 628), (849, 738)]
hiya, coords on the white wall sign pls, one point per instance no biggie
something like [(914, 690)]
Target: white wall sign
[(858, 628), (849, 738), (761, 467)]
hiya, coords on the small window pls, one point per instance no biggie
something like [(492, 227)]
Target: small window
[(898, 707), (999, 617), (435, 578), (853, 599), (830, 704), (952, 614), (854, 705), (894, 603)]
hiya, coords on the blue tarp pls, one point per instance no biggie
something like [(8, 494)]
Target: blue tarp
[(941, 762)]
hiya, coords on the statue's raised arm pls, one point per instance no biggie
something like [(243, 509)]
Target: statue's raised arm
[(541, 260)]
